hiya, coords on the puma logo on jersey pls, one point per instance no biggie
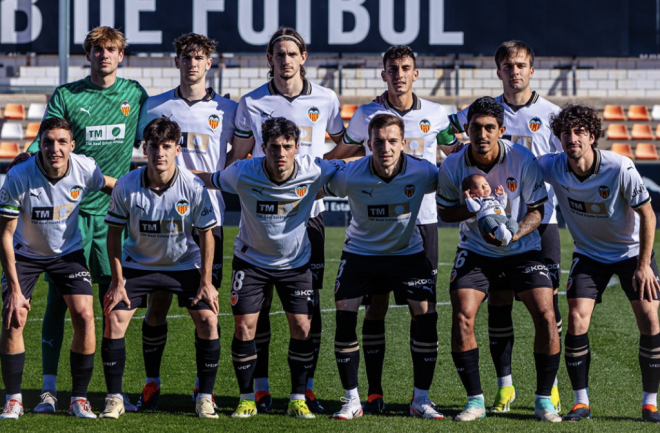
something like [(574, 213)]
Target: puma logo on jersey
[(566, 188), (86, 110), (140, 207), (258, 190), (368, 193), (34, 194), (267, 115)]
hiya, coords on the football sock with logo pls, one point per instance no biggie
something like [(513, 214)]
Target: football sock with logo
[(207, 354), (301, 357), (315, 335), (467, 366), (578, 359), (12, 371), (347, 349), (244, 357), (649, 349), (113, 354), (373, 346), (555, 304), (547, 367), (500, 336), (154, 339), (217, 261), (413, 332), (103, 289), (52, 333), (425, 350), (262, 341), (82, 367)]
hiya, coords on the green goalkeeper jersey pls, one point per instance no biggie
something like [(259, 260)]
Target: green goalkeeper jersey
[(104, 124)]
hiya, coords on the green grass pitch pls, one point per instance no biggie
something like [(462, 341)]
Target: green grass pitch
[(614, 382)]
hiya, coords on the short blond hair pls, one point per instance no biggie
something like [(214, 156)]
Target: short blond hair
[(104, 36)]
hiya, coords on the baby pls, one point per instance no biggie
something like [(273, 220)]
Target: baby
[(489, 207)]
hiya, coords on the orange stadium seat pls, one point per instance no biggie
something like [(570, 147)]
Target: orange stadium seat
[(623, 149), (14, 111), (642, 131), (646, 151), (347, 111), (657, 132), (617, 131), (638, 112), (32, 130), (9, 150), (614, 112)]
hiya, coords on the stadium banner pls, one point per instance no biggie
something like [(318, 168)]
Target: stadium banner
[(613, 28)]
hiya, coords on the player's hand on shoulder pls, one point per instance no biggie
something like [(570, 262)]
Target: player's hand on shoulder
[(115, 294), (11, 311), (21, 157), (645, 283), (209, 294), (380, 99)]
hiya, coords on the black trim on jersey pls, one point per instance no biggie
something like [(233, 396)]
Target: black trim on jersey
[(402, 168), (210, 94), (416, 105), (306, 90), (515, 108), (594, 169), (159, 191), (537, 203), (294, 173), (42, 169), (470, 162), (642, 203)]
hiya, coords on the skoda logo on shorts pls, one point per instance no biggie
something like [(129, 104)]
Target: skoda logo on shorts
[(234, 298)]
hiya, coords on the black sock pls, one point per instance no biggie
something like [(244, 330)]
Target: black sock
[(347, 349), (425, 350), (500, 336), (244, 357), (12, 371), (413, 332), (103, 289), (555, 304), (578, 359), (262, 341), (301, 357), (373, 346), (648, 362), (207, 355), (113, 354), (154, 339), (315, 334), (467, 366), (82, 367), (547, 367)]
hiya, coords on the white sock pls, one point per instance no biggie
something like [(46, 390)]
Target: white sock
[(503, 234), (50, 383), (197, 382), (555, 383), (297, 397), (352, 393), (650, 398), (505, 381), (152, 379), (261, 384), (200, 395), (18, 397), (581, 396), (310, 383), (73, 399), (115, 396), (249, 396), (420, 393), (470, 397)]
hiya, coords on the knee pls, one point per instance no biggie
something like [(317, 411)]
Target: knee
[(463, 325), (301, 330), (207, 326), (83, 319), (243, 331)]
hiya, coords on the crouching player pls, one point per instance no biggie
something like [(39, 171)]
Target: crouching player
[(39, 205), (159, 205)]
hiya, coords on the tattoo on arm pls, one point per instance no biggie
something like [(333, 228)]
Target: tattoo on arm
[(529, 223)]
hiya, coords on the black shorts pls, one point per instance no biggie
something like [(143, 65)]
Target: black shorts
[(294, 287), (589, 278), (69, 273), (429, 234), (360, 275), (140, 283), (218, 252), (316, 235), (551, 251), (520, 272)]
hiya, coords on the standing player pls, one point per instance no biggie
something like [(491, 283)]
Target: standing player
[(39, 205), (383, 252), (426, 126), (207, 123), (160, 205), (482, 268), (315, 110), (277, 193), (608, 212), (527, 121), (103, 110)]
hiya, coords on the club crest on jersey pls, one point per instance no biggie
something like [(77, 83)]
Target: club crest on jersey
[(336, 286), (569, 283), (512, 184), (75, 191), (498, 211), (125, 108), (409, 190), (535, 124), (234, 297), (452, 276), (604, 191), (4, 196), (214, 121), (182, 207), (313, 114), (425, 125), (301, 191)]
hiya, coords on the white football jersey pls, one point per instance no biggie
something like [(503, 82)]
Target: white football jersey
[(47, 211), (521, 176), (384, 213), (273, 228), (599, 210), (160, 223), (315, 111), (426, 125), (528, 125), (206, 125)]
